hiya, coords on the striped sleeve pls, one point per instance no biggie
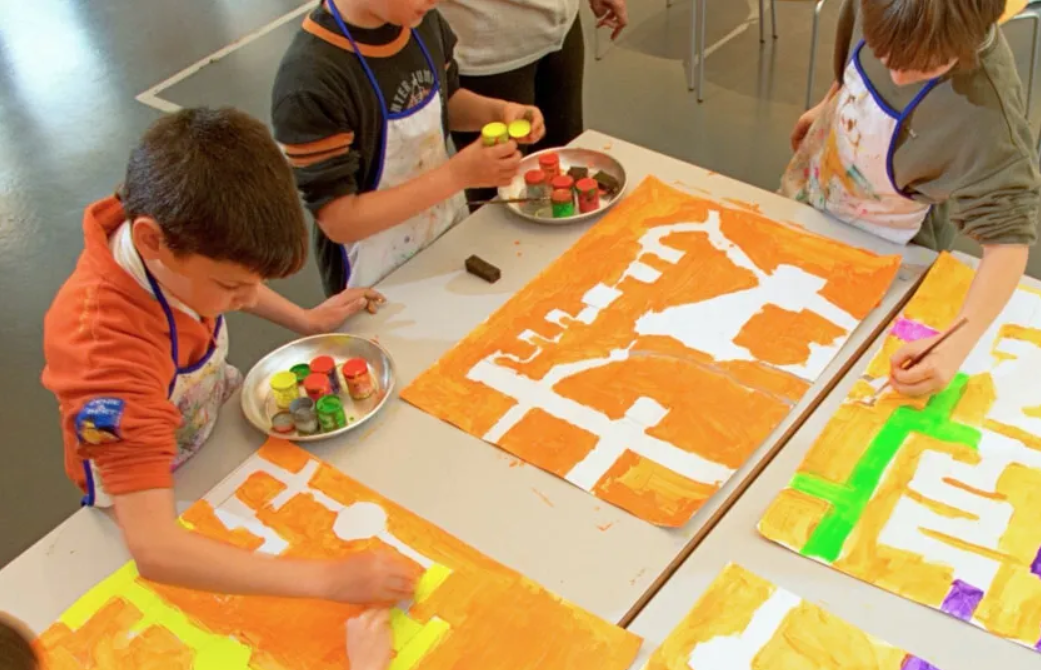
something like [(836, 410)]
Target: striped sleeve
[(320, 145)]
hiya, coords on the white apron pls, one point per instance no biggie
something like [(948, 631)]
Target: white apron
[(413, 144), (198, 391), (845, 164)]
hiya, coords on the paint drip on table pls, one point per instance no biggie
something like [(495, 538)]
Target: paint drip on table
[(936, 500), (656, 355), (468, 611), (743, 622)]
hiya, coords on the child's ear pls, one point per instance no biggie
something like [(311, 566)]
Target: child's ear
[(148, 238)]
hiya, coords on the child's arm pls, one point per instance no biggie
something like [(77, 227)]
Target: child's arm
[(996, 279), (351, 218), (370, 641), (325, 318), (167, 553)]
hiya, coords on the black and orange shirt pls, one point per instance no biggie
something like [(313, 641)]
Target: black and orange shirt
[(326, 114)]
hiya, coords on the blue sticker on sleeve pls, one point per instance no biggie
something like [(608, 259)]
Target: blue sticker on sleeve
[(98, 421)]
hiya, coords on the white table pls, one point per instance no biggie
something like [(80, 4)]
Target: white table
[(942, 640), (521, 516)]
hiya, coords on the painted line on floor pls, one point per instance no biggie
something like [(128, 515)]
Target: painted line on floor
[(151, 96)]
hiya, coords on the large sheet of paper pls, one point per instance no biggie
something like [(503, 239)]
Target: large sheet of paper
[(936, 500), (468, 612), (653, 358), (743, 622)]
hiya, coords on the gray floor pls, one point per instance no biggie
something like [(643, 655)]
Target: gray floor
[(69, 74)]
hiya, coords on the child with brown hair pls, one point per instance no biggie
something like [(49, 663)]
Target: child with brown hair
[(136, 345), (16, 648), (924, 132)]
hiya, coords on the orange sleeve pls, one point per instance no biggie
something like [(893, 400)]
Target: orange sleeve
[(108, 363)]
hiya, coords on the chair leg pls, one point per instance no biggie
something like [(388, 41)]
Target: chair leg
[(773, 17), (693, 55), (701, 50), (813, 51), (762, 22)]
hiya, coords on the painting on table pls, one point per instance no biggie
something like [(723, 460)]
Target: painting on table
[(659, 352), (936, 500), (468, 611), (743, 622)]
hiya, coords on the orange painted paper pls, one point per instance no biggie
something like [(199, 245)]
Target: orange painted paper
[(936, 500), (744, 621), (485, 615), (628, 407)]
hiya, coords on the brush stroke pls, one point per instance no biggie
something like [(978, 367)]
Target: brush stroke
[(657, 354)]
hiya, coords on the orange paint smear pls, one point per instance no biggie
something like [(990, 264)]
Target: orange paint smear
[(750, 206), (542, 497), (259, 490), (719, 410), (652, 492), (479, 600)]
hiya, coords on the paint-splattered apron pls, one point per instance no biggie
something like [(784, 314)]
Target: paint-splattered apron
[(845, 164), (198, 391), (413, 144)]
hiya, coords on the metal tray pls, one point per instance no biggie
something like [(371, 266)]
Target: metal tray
[(569, 158), (258, 401)]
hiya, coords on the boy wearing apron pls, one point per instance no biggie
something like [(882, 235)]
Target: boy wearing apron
[(363, 103), (136, 344), (925, 133)]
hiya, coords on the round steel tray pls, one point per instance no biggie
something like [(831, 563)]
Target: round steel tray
[(258, 401), (569, 158)]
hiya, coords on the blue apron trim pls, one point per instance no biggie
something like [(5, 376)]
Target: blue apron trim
[(88, 499), (385, 115), (900, 117)]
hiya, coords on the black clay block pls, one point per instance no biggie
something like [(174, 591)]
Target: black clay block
[(483, 269), (608, 183)]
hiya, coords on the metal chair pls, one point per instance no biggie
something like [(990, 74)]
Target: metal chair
[(697, 40)]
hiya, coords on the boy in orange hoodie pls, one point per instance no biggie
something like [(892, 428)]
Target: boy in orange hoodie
[(135, 345)]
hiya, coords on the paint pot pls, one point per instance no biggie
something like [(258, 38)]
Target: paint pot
[(588, 195), (282, 423), (550, 164), (495, 133), (324, 365), (305, 417), (330, 413), (359, 381), (563, 204), (537, 189), (317, 386), (520, 129), (283, 386), (301, 371), (562, 182)]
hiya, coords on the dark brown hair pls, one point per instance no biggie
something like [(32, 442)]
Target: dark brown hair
[(924, 35), (219, 186), (16, 650)]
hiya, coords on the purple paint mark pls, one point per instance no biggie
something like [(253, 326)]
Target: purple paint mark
[(962, 600), (909, 331), (1035, 567), (915, 663), (1038, 645)]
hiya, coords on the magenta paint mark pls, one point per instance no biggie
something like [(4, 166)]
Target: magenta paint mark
[(909, 331), (1035, 567), (962, 600), (915, 663)]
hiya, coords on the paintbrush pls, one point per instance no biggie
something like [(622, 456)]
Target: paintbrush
[(505, 201), (915, 360)]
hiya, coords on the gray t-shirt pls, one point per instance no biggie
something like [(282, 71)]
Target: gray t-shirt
[(967, 149)]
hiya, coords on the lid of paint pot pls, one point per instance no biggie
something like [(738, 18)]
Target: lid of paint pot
[(329, 404), (520, 129), (323, 365), (283, 381), (303, 404), (283, 422), (494, 130), (550, 160), (316, 382), (562, 196), (301, 371), (355, 367), (587, 184), (562, 183), (534, 177)]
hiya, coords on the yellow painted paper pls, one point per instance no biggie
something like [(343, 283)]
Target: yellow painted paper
[(659, 352), (939, 499), (468, 611), (744, 621)]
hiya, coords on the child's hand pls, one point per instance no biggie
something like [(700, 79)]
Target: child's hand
[(370, 643), (802, 126), (478, 166), (610, 13), (936, 371), (330, 315), (515, 112), (381, 576)]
